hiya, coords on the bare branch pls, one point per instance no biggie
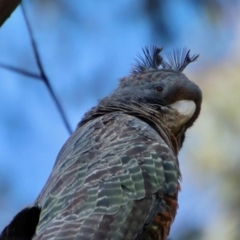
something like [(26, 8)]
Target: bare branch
[(6, 9), (43, 74), (20, 71)]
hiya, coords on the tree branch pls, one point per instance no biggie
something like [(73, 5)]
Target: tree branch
[(6, 9), (20, 71), (43, 74)]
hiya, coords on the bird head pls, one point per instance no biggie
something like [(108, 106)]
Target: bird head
[(157, 89), (161, 86)]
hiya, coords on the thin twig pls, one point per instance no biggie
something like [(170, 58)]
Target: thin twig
[(21, 71), (43, 74)]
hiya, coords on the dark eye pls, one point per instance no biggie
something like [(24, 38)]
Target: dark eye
[(159, 88)]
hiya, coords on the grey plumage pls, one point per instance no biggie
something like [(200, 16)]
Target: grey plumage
[(117, 177)]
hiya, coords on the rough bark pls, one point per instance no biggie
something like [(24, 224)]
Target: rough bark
[(6, 9)]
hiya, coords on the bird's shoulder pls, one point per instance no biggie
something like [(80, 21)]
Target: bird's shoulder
[(112, 140), (106, 164)]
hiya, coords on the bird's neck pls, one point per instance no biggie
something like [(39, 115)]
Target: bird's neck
[(142, 111)]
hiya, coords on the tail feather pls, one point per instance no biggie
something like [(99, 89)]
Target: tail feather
[(23, 225)]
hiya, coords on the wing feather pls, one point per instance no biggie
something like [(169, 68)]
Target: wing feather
[(108, 181)]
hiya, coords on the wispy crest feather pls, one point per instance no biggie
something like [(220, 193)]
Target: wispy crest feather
[(179, 59), (151, 59)]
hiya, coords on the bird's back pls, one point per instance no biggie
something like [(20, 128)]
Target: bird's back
[(108, 182)]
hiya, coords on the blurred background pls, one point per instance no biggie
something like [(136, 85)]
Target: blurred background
[(85, 48)]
